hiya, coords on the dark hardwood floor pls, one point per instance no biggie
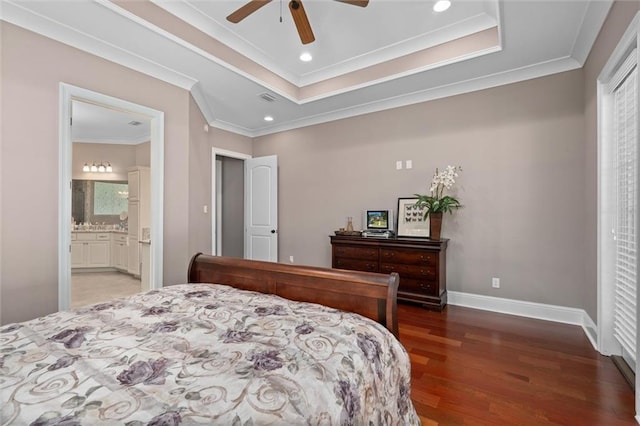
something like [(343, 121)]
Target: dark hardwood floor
[(472, 367)]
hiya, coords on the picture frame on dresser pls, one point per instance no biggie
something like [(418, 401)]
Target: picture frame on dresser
[(411, 221)]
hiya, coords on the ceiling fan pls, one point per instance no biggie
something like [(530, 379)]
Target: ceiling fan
[(297, 12)]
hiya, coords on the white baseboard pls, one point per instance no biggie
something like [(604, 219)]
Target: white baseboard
[(521, 308)]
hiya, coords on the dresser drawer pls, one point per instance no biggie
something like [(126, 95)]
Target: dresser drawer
[(416, 271), (418, 286), (355, 264), (412, 257), (356, 252), (420, 262)]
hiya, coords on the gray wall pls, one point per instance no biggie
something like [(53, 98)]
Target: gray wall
[(522, 150), (528, 185), (232, 207), (32, 67)]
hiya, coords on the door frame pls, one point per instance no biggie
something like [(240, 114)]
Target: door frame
[(67, 94), (606, 287), (216, 240)]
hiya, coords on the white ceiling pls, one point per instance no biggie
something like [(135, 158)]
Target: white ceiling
[(391, 53), (97, 124)]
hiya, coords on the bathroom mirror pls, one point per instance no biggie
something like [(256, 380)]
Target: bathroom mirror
[(98, 201)]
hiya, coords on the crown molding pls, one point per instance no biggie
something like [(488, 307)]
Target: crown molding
[(408, 47), (467, 86), (186, 12), (211, 27), (117, 141), (229, 127), (194, 49), (595, 14), (406, 73), (16, 14), (201, 100)]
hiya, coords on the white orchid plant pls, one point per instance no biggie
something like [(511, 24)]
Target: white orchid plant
[(437, 201)]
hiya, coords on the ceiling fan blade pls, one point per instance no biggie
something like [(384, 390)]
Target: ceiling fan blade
[(301, 21), (361, 3), (246, 10)]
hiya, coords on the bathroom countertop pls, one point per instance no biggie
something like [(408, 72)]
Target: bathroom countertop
[(114, 231)]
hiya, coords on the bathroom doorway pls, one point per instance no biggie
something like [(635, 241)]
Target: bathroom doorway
[(107, 147), (105, 252)]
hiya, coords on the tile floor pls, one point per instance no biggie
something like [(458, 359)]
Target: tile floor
[(94, 287)]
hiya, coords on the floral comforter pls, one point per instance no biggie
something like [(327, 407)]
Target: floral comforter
[(203, 354)]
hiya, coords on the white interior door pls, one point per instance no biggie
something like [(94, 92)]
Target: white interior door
[(261, 208)]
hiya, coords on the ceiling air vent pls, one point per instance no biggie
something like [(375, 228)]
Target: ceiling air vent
[(268, 97)]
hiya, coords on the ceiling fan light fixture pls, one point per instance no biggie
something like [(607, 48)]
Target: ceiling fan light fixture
[(441, 5), (298, 14), (306, 57)]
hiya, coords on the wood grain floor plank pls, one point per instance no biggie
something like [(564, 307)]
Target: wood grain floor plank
[(473, 367)]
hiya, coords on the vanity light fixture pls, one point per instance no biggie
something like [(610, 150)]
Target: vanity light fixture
[(98, 167), (441, 5)]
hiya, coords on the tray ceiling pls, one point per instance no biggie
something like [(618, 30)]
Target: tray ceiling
[(388, 54)]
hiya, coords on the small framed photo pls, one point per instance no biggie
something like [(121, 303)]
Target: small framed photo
[(411, 222)]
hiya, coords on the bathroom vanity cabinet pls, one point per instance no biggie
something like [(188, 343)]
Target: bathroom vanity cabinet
[(90, 250)]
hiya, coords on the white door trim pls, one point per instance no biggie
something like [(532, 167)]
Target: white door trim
[(67, 93), (606, 345), (215, 242), (606, 288)]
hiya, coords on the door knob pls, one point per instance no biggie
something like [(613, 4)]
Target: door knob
[(273, 231)]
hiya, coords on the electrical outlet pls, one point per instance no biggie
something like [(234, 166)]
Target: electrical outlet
[(290, 259), (495, 282), (399, 165)]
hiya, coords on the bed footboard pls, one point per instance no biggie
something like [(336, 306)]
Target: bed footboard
[(369, 294)]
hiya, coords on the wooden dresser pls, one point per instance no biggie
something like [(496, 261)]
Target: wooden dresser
[(421, 264)]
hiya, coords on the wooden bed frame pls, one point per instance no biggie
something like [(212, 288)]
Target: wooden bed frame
[(369, 294)]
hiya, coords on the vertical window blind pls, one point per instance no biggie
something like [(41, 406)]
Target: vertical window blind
[(625, 118)]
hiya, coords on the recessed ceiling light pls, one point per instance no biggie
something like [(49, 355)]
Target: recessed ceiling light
[(306, 57), (268, 118), (441, 5)]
